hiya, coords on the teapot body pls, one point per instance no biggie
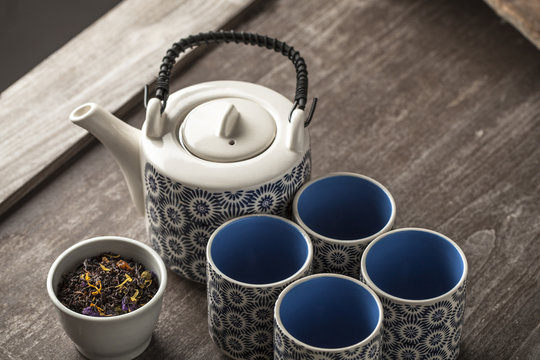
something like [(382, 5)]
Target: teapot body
[(180, 218), (187, 197)]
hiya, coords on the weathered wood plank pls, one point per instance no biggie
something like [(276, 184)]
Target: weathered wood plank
[(437, 100), (108, 63), (523, 14)]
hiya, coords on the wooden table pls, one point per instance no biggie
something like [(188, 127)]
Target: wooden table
[(438, 100)]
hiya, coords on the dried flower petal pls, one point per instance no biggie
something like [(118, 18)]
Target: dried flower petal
[(104, 268), (89, 310), (126, 306), (121, 264), (134, 297), (146, 275), (98, 289), (128, 278)]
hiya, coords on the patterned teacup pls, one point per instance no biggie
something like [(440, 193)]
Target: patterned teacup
[(327, 316), (420, 277), (342, 213), (251, 259)]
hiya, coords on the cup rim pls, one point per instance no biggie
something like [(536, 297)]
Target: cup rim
[(345, 242), (83, 243), (405, 301), (303, 268), (365, 341)]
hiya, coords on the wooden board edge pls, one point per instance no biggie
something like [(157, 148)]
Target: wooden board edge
[(52, 169), (517, 22)]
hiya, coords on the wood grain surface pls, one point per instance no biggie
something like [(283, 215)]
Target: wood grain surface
[(523, 14), (438, 100), (108, 63)]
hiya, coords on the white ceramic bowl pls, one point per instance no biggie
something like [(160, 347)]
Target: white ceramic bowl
[(116, 337)]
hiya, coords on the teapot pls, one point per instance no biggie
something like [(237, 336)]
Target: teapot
[(209, 152)]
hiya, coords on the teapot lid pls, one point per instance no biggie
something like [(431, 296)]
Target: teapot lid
[(163, 145), (227, 130)]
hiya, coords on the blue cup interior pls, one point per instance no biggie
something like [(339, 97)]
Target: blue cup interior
[(414, 264), (344, 207), (329, 312), (259, 250)]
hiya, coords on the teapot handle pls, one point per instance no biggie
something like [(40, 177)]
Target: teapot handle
[(162, 83)]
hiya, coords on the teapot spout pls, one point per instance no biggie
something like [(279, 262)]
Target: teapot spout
[(121, 139)]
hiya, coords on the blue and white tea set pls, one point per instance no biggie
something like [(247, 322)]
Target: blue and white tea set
[(295, 269)]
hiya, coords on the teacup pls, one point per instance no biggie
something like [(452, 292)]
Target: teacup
[(420, 277), (327, 316), (342, 212), (116, 337), (251, 259)]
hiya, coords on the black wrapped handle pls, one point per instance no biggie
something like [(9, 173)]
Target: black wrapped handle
[(162, 83)]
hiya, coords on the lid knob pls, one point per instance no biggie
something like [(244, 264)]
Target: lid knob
[(229, 118), (227, 130)]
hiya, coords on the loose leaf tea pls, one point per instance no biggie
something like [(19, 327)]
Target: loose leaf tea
[(107, 285)]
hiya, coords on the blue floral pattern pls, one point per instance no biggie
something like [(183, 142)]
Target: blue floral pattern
[(418, 332), (180, 219), (240, 319), (286, 348), (337, 258)]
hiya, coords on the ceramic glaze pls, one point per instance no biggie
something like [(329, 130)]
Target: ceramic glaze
[(180, 218), (420, 276), (342, 213), (327, 316), (250, 261), (285, 348)]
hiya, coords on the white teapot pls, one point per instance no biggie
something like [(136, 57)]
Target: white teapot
[(208, 153)]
